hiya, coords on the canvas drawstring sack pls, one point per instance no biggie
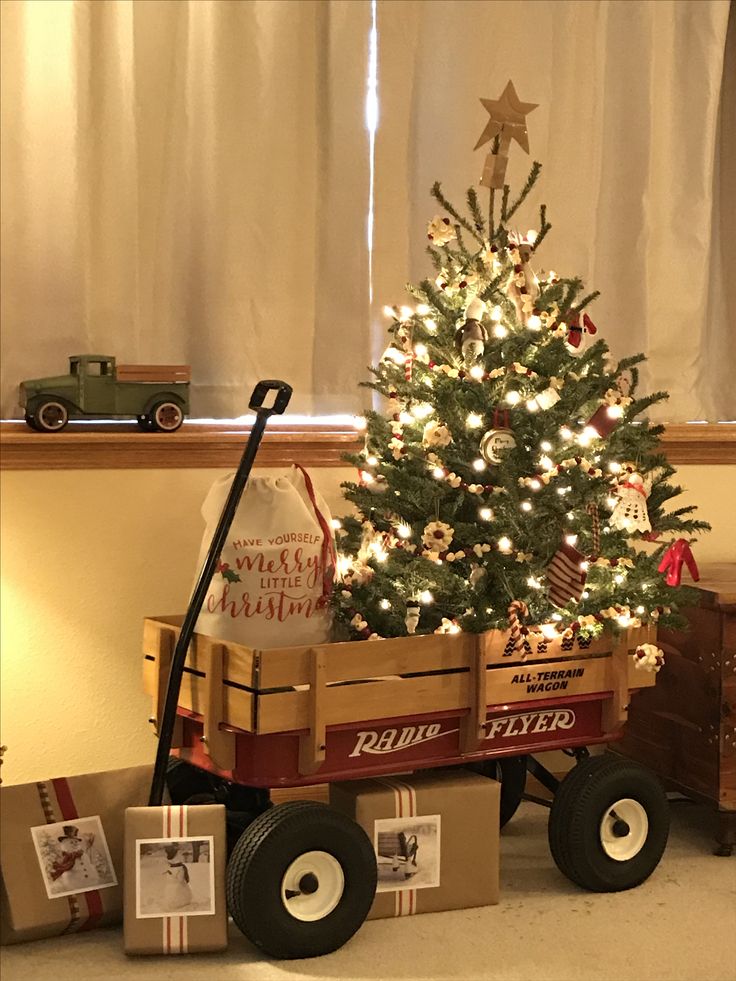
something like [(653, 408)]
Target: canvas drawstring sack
[(275, 575)]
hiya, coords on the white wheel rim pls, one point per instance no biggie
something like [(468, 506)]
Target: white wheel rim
[(168, 415), (622, 847), (56, 423), (318, 872)]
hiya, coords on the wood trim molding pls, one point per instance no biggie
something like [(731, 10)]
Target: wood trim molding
[(122, 447)]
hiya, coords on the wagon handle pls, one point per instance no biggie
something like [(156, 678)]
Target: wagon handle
[(168, 718)]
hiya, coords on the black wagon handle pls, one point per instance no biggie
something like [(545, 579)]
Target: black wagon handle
[(168, 718)]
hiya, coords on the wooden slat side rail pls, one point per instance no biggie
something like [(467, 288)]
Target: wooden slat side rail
[(218, 744), (158, 681), (238, 705), (313, 743), (239, 661), (472, 726), (153, 372)]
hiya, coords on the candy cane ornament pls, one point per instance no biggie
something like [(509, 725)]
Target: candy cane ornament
[(517, 609)]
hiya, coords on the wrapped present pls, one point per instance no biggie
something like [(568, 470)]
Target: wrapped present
[(435, 836), (61, 852), (175, 879)]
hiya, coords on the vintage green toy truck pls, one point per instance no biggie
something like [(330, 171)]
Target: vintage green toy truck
[(96, 388)]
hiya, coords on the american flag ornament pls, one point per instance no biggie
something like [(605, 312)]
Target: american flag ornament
[(565, 575)]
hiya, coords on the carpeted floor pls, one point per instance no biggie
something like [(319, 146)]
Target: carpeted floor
[(678, 926)]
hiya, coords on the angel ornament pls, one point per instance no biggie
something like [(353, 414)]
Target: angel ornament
[(630, 513)]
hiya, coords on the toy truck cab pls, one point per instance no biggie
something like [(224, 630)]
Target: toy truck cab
[(96, 387)]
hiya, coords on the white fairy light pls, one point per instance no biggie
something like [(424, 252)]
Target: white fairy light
[(532, 405), (372, 461), (406, 312), (428, 381), (431, 325), (421, 410), (384, 604), (403, 530), (588, 435), (366, 477), (496, 314), (570, 515), (571, 539), (343, 565), (485, 514), (585, 565), (545, 446), (586, 594), (393, 354), (500, 331), (534, 322), (422, 309), (438, 472), (640, 610), (504, 544), (474, 420), (615, 411), (420, 350), (611, 502), (426, 597), (379, 552), (546, 462), (479, 464), (533, 583), (406, 418), (336, 523), (566, 433), (535, 484), (614, 466), (389, 312), (360, 423), (513, 397), (618, 579), (477, 372), (531, 236), (556, 616), (549, 630), (624, 620), (526, 505)]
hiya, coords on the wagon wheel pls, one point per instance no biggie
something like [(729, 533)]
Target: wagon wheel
[(50, 416), (510, 771), (608, 824), (301, 880), (166, 416)]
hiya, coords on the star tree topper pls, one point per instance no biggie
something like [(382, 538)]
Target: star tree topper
[(507, 121)]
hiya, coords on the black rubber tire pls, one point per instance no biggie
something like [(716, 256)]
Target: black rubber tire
[(165, 404), (510, 771), (258, 864), (144, 423), (582, 800), (31, 422), (38, 411)]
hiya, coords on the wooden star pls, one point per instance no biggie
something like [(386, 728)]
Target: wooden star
[(507, 114)]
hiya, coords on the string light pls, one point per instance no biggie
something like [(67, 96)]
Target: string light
[(534, 322), (504, 544), (531, 236), (421, 410), (420, 350), (403, 530), (526, 505), (366, 477), (336, 523), (640, 610), (545, 446), (588, 435), (479, 464), (372, 461), (496, 314), (535, 484), (500, 331), (477, 372), (571, 539), (406, 313), (549, 630), (422, 309), (546, 462), (566, 433), (360, 423), (431, 325), (438, 472), (615, 411), (618, 579), (474, 420), (426, 597), (344, 564), (614, 466), (513, 397), (389, 312), (485, 514), (624, 620), (393, 354), (384, 604), (585, 566), (532, 405), (611, 502), (406, 418), (533, 583)]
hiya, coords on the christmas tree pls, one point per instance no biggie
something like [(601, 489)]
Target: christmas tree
[(513, 475)]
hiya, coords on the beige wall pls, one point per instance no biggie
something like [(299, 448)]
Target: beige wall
[(86, 555)]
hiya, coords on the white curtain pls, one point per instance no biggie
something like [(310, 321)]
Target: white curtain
[(638, 180), (187, 181)]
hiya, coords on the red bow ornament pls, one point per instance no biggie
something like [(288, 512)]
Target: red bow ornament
[(672, 560)]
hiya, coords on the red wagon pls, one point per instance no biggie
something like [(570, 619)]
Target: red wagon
[(301, 876)]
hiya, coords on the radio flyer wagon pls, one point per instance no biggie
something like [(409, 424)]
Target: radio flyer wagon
[(301, 877)]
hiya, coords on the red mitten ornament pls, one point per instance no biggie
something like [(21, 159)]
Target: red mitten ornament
[(672, 560)]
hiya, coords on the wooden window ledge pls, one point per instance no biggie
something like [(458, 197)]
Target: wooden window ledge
[(124, 447)]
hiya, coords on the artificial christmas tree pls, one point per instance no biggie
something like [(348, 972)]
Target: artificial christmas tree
[(513, 476)]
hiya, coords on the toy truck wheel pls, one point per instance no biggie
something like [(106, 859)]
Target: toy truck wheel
[(50, 416), (608, 825), (301, 880), (31, 421), (510, 771), (144, 423), (166, 417)]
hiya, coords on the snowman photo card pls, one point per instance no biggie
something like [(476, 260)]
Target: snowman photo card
[(73, 856), (175, 877)]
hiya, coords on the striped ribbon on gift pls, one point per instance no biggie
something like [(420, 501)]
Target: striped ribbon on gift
[(405, 805), (175, 936)]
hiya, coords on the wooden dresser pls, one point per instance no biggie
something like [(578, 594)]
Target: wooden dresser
[(684, 728)]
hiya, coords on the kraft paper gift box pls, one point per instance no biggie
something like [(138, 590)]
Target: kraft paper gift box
[(175, 859), (435, 836), (61, 852)]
